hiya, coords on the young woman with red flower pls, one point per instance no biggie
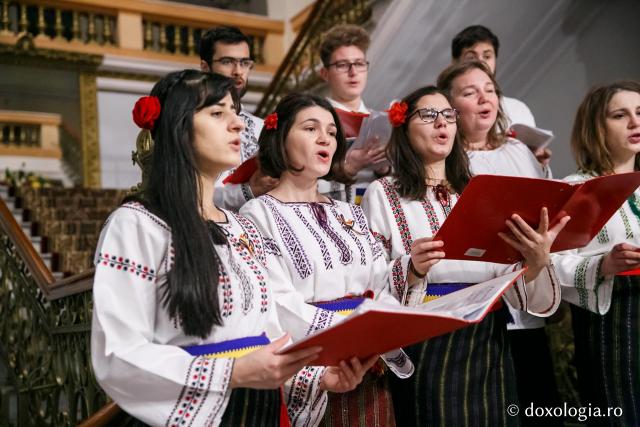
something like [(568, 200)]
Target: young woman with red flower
[(468, 374), (322, 254), (183, 308)]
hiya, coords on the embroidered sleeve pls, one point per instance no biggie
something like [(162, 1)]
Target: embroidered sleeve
[(375, 203), (581, 281), (539, 297), (306, 403), (158, 384)]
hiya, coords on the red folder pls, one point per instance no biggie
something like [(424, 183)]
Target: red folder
[(351, 122), (376, 328), (471, 230), (635, 272), (243, 173)]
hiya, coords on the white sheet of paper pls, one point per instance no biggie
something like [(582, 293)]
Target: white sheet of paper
[(534, 138)]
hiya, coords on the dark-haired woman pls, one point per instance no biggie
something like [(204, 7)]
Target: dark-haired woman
[(183, 309), (320, 245), (606, 306), (465, 377)]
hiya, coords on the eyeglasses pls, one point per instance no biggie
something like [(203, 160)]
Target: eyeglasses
[(228, 61), (429, 115), (345, 66)]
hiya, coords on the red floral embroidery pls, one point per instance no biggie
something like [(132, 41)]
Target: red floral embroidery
[(146, 111), (271, 121), (397, 113)]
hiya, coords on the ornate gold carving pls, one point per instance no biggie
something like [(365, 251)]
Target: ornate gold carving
[(89, 119)]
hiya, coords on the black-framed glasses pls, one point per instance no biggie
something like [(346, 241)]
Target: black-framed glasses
[(429, 115), (229, 61), (345, 66)]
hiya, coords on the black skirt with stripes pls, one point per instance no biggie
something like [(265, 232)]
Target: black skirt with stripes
[(247, 407), (608, 355), (465, 378)]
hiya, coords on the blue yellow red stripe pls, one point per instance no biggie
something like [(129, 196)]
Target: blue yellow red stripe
[(437, 290), (229, 349)]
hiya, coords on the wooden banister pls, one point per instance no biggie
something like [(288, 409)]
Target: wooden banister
[(103, 417), (52, 289)]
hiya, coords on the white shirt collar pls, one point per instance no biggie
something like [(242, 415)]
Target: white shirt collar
[(361, 109)]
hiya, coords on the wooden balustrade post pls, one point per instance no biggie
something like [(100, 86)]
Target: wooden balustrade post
[(130, 31), (23, 24), (41, 24), (106, 30), (75, 28), (58, 26), (91, 28), (191, 44), (4, 21), (163, 37), (177, 39)]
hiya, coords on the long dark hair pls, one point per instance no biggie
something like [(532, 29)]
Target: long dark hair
[(174, 194), (273, 155), (498, 133), (408, 166)]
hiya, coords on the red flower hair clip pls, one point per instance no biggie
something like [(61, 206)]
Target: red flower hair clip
[(397, 113), (271, 121), (146, 112)]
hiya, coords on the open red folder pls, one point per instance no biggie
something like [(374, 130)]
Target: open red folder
[(376, 328), (351, 122), (471, 229), (243, 173)]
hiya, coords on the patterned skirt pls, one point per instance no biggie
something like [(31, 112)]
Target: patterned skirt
[(250, 407), (608, 354), (247, 407), (465, 378), (368, 405)]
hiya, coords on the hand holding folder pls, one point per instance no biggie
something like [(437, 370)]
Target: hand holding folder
[(376, 328), (471, 230)]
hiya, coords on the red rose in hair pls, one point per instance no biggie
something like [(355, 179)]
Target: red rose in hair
[(146, 111), (271, 121), (398, 113)]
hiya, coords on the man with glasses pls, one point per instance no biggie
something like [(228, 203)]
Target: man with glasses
[(345, 69), (225, 50)]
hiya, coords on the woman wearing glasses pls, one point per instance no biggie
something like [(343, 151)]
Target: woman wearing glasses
[(476, 95), (466, 375)]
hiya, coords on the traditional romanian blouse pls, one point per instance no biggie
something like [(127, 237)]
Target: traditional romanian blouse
[(512, 158), (136, 348), (579, 269), (321, 252), (397, 222)]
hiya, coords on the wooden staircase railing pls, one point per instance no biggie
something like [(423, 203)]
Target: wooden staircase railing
[(45, 335)]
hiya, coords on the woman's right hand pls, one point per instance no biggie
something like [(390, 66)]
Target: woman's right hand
[(622, 257), (264, 369), (425, 253)]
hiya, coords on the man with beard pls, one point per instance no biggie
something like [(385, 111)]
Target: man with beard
[(225, 50)]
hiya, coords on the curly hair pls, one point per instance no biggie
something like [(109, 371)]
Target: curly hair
[(342, 35)]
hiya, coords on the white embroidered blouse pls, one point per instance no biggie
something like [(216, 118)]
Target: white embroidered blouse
[(135, 346), (396, 222), (579, 269)]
